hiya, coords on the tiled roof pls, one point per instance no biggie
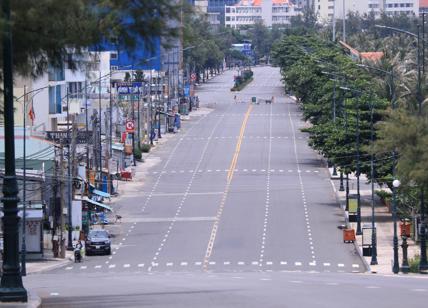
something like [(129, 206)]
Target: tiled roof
[(373, 56)]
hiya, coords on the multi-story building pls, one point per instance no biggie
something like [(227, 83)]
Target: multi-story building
[(423, 6), (395, 7), (269, 12), (326, 9), (217, 6)]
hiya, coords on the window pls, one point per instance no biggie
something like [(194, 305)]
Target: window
[(55, 103), (113, 55), (75, 90), (56, 73)]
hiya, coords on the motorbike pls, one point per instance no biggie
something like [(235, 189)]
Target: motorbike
[(77, 254)]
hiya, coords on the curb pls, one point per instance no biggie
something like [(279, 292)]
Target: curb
[(342, 207), (51, 267), (34, 301)]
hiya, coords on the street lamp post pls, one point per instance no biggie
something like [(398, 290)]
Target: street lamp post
[(423, 265), (359, 231), (374, 233), (394, 216), (11, 287), (395, 184)]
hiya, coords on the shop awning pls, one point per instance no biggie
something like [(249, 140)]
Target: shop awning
[(101, 193), (104, 206)]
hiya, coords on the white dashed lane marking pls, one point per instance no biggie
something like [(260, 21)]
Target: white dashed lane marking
[(244, 170)]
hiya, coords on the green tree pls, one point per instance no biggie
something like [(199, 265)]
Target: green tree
[(261, 41), (45, 31)]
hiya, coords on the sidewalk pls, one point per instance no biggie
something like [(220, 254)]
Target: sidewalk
[(151, 159), (383, 221), (48, 262)]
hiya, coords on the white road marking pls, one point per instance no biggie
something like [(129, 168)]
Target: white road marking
[(83, 267), (326, 264), (283, 263), (298, 263), (212, 263), (141, 265), (169, 264), (341, 265), (269, 263), (355, 265), (198, 263), (54, 294), (68, 268), (226, 263), (112, 266), (183, 263), (97, 266), (126, 265), (254, 263)]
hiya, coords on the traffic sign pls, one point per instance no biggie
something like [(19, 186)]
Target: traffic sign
[(130, 126), (193, 76)]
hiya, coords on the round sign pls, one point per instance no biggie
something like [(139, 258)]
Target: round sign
[(130, 126), (193, 76)]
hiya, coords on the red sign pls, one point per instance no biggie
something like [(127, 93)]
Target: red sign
[(130, 126), (193, 77)]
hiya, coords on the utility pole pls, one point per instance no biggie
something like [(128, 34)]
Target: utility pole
[(69, 178), (150, 108), (24, 192), (11, 287), (87, 130), (133, 115), (158, 103), (94, 119), (61, 194), (100, 163)]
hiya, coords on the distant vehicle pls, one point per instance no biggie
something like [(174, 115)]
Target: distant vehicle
[(98, 241)]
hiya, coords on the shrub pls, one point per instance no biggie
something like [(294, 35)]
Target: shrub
[(145, 148), (414, 264), (383, 194), (137, 153)]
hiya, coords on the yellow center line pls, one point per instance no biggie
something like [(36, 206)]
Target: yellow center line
[(238, 145), (226, 190)]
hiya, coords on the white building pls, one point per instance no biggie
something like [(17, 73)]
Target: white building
[(269, 12), (48, 92), (325, 9), (201, 6)]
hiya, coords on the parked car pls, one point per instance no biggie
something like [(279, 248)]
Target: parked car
[(98, 241)]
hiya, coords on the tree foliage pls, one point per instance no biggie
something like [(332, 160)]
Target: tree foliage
[(45, 31), (314, 70)]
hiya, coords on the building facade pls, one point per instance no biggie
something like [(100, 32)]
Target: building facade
[(326, 9), (423, 6), (269, 12)]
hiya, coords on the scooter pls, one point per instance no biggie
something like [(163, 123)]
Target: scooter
[(77, 254)]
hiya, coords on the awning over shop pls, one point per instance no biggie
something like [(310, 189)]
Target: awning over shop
[(101, 193), (104, 206)]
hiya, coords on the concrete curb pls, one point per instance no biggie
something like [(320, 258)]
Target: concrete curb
[(34, 301), (342, 207), (57, 264)]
